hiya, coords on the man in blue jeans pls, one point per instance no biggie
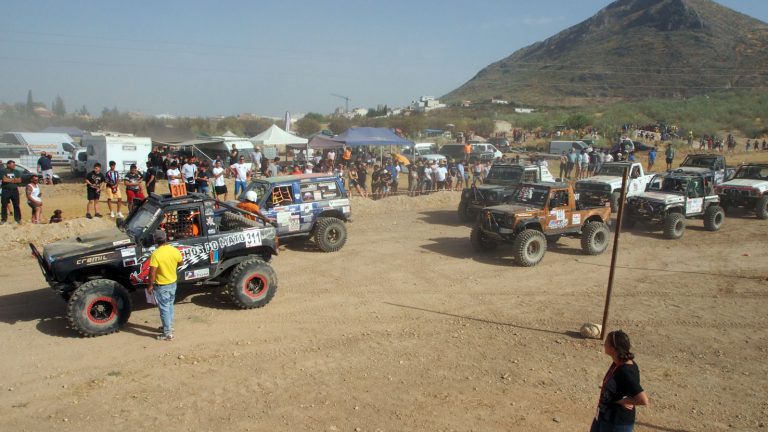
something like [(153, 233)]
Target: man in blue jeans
[(242, 173), (163, 266)]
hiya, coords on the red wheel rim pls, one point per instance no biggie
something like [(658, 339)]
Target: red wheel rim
[(101, 310), (255, 286)]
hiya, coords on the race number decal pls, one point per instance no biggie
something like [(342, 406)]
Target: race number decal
[(252, 238), (694, 205), (576, 219)]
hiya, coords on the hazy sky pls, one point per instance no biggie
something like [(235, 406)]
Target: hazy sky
[(225, 57)]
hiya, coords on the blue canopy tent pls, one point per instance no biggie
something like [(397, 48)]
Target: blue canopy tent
[(371, 136)]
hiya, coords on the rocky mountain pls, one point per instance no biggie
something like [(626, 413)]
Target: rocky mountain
[(632, 49)]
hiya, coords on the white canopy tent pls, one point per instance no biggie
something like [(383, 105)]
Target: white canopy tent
[(276, 136)]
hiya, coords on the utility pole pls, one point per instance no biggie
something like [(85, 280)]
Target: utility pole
[(346, 100)]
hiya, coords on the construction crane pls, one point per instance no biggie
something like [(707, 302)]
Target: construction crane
[(346, 100)]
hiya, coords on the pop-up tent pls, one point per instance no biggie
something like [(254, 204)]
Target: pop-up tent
[(276, 136), (360, 136), (324, 142)]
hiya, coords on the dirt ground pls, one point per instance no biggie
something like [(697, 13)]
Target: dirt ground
[(404, 329)]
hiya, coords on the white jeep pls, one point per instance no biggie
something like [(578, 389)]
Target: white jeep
[(673, 197), (748, 188), (606, 185)]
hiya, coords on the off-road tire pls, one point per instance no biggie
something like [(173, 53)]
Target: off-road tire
[(232, 221), (252, 284), (761, 207), (464, 213), (674, 226), (615, 197), (529, 247), (595, 237), (714, 216), (330, 234), (98, 307), (481, 242)]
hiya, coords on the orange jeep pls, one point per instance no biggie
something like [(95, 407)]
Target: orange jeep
[(537, 213)]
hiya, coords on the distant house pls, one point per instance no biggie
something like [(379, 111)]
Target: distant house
[(426, 103), (466, 103), (42, 112), (499, 101), (524, 110)]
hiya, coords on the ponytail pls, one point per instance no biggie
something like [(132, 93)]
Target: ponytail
[(620, 342)]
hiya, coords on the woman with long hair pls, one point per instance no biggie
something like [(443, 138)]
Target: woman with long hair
[(620, 392)]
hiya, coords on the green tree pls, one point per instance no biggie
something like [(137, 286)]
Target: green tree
[(307, 126), (340, 124), (84, 111), (577, 121), (58, 107), (315, 116)]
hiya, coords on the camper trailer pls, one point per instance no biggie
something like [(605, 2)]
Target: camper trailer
[(59, 145), (124, 149)]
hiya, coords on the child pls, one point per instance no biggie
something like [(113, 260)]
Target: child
[(56, 218)]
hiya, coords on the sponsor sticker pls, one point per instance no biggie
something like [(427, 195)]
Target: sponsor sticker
[(127, 252), (196, 274), (121, 242), (252, 238), (576, 219), (294, 224), (93, 259)]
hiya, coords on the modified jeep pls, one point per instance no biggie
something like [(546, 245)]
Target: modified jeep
[(496, 187), (671, 198), (220, 245), (705, 162), (538, 213), (748, 188), (605, 186), (315, 206)]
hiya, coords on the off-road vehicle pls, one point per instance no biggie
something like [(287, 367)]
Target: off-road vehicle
[(671, 198), (538, 213), (307, 205), (705, 162), (95, 273), (497, 186), (605, 186), (748, 188)]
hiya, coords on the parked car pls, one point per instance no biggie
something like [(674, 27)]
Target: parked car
[(605, 186), (27, 174)]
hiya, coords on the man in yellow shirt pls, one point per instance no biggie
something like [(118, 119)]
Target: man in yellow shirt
[(163, 264)]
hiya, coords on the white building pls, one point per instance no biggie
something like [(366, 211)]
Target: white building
[(426, 103), (524, 110)]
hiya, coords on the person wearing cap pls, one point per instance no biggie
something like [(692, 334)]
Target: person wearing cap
[(11, 180), (308, 168), (163, 265)]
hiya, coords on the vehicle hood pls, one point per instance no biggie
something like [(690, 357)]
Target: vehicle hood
[(602, 179), (660, 197), (513, 209), (98, 241), (761, 185)]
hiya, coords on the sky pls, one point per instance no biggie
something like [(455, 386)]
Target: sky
[(266, 57)]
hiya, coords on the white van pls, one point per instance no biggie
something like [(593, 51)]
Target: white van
[(124, 149), (558, 147), (78, 160), (59, 145)]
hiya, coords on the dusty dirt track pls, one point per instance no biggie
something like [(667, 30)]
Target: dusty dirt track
[(406, 329)]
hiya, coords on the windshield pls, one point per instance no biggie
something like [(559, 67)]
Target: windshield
[(141, 220), (702, 162), (753, 172), (674, 185), (503, 174), (612, 170), (262, 189), (531, 195)]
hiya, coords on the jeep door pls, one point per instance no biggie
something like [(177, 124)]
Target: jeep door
[(559, 212), (187, 231), (694, 203), (283, 205)]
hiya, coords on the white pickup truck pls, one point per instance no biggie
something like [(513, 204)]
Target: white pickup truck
[(605, 187)]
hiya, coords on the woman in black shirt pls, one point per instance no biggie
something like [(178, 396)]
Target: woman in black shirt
[(621, 390)]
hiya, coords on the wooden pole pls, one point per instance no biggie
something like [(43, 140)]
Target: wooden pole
[(615, 253)]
